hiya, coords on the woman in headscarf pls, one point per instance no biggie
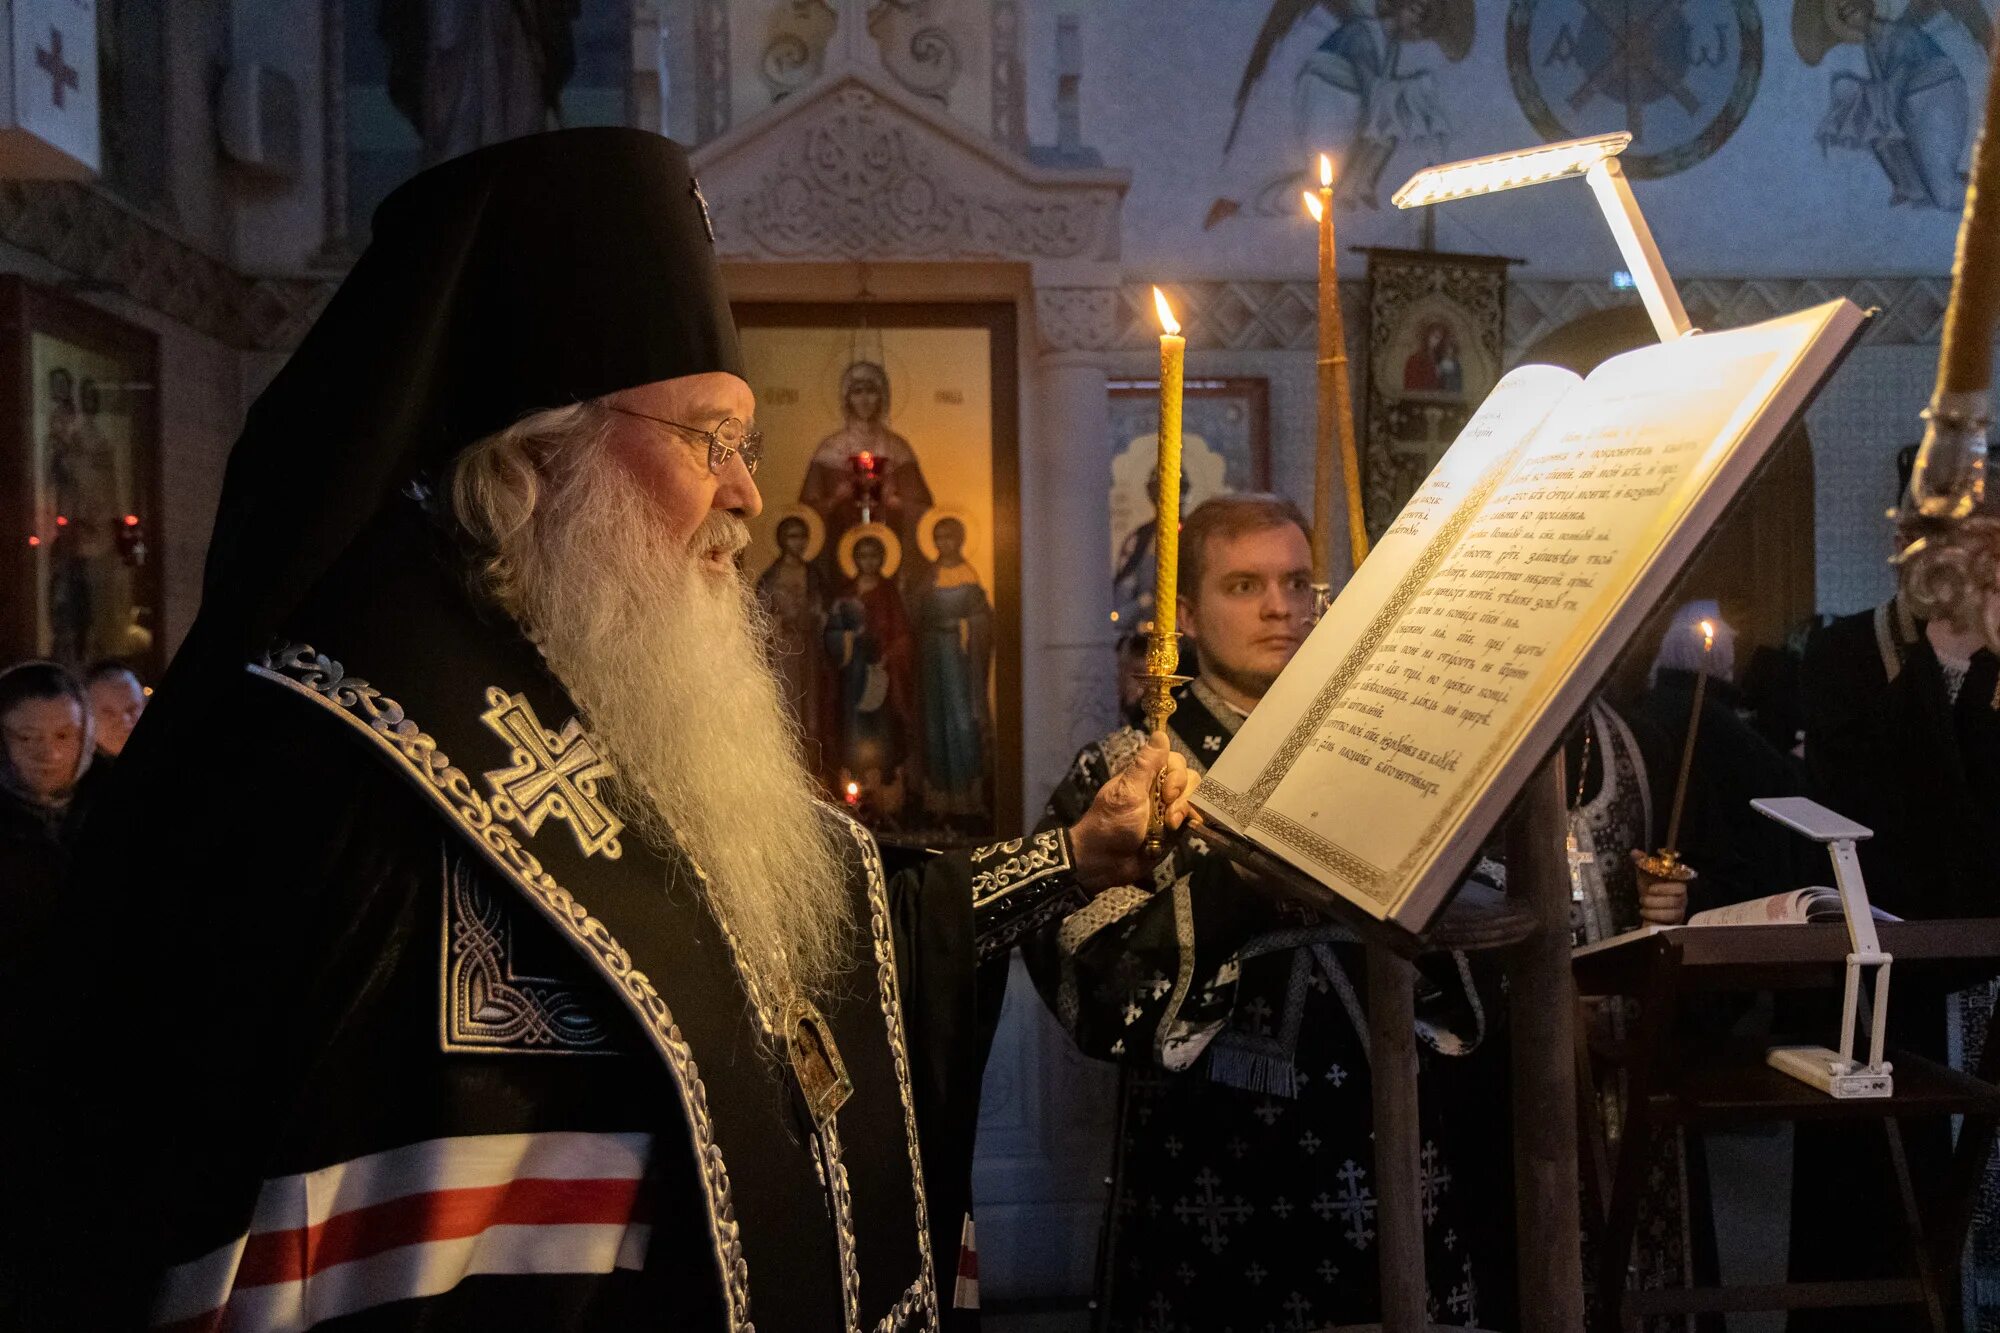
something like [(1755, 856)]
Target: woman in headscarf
[(47, 785)]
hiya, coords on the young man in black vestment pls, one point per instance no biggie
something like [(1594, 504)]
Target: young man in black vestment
[(1244, 1192), (463, 945)]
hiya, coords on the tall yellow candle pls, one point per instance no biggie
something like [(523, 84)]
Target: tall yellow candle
[(1167, 537), (1336, 402)]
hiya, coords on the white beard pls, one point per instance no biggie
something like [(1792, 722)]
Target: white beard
[(665, 657)]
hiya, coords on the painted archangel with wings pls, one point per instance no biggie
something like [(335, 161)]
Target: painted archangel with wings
[(1908, 105), (1364, 55)]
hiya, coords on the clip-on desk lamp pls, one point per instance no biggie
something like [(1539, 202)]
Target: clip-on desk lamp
[(1836, 1072)]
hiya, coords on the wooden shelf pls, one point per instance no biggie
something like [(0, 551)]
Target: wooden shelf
[(1737, 1087)]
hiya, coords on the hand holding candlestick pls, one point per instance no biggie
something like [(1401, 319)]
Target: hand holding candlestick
[(1665, 865)]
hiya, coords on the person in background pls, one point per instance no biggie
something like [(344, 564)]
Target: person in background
[(1243, 1032), (47, 785), (116, 700), (1737, 853)]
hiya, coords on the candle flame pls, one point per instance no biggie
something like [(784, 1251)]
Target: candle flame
[(1325, 171), (1707, 635), (853, 792), (1168, 324), (1312, 204)]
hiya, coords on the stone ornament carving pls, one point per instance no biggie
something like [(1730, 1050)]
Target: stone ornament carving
[(856, 179), (86, 232), (1010, 110), (917, 50), (1077, 319), (711, 53), (796, 50)]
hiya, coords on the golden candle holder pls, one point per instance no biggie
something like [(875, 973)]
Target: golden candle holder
[(1158, 683)]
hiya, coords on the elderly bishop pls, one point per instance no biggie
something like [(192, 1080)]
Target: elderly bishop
[(463, 944)]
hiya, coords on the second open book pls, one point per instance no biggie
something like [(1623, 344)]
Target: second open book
[(1454, 659)]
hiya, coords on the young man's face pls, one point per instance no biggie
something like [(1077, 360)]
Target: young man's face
[(1253, 607), (44, 739)]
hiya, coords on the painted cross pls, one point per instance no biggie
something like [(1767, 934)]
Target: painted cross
[(554, 774), (62, 74), (1328, 1270), (1211, 1212), (1256, 1273), (1299, 1308), (1636, 66)]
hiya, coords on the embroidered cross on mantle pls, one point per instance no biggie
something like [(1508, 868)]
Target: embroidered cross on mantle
[(554, 774)]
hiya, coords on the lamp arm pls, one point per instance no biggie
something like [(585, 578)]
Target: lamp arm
[(1635, 243)]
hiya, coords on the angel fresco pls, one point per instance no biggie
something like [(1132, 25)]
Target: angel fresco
[(1909, 107), (1365, 56)]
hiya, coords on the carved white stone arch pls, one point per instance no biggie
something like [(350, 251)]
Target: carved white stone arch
[(856, 168)]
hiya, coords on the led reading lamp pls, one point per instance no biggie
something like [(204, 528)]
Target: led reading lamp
[(1596, 160), (1837, 1072)]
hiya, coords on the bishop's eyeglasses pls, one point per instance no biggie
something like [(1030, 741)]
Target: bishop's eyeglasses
[(730, 436)]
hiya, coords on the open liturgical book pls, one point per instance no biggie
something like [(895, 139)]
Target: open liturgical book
[(1454, 659)]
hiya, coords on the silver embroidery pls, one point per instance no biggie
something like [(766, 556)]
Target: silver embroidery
[(554, 775), (920, 1301), (1027, 860), (488, 1004), (1111, 906), (842, 1195), (322, 679)]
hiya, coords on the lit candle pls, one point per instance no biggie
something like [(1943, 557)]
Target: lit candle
[(1336, 403), (1167, 533)]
